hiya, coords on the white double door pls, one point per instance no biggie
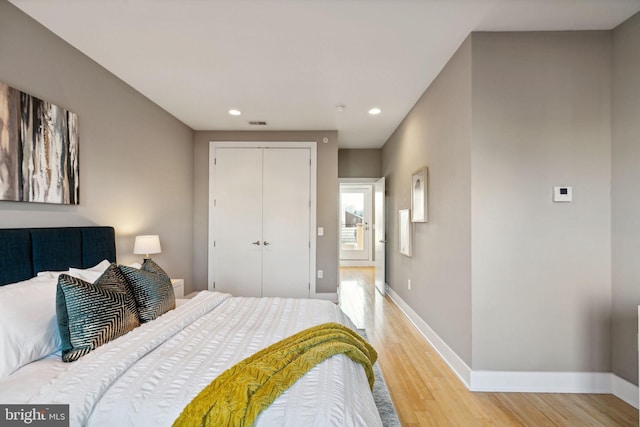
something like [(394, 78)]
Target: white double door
[(261, 221)]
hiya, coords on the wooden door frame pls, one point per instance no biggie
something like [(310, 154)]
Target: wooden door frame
[(312, 146)]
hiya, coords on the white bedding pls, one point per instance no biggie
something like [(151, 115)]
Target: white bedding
[(147, 376)]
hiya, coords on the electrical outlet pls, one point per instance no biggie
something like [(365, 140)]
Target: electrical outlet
[(320, 274), (409, 284)]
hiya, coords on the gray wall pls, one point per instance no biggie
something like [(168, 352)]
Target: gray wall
[(436, 133), (327, 193), (135, 159), (625, 199), (360, 163), (541, 270), (508, 279)]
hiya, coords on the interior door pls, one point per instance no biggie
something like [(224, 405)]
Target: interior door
[(355, 222), (379, 234), (262, 221), (286, 222), (238, 221)]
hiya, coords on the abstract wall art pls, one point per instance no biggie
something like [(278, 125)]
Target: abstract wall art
[(38, 150)]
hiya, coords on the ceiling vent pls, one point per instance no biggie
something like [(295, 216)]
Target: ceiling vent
[(257, 123)]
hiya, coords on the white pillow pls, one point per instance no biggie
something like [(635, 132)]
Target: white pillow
[(101, 267), (89, 274), (86, 275), (28, 323), (51, 274)]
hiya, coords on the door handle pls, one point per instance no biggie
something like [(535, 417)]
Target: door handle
[(257, 243), (266, 243), (382, 241)]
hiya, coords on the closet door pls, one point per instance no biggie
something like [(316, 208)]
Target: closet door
[(286, 222), (238, 221), (261, 221)]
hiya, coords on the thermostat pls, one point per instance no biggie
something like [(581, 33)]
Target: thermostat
[(561, 194)]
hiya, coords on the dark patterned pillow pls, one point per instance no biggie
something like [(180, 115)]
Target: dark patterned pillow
[(92, 314), (151, 266), (152, 290)]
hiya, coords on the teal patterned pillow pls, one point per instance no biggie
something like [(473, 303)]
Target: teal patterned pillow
[(151, 266), (152, 290), (92, 314)]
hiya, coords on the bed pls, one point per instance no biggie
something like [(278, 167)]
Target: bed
[(148, 375)]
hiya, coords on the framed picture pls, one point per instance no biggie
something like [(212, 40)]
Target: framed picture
[(404, 232), (38, 150), (419, 195)]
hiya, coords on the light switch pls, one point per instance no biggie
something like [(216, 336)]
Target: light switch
[(320, 231), (562, 194)]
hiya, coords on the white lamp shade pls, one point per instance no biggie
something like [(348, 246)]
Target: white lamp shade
[(147, 245)]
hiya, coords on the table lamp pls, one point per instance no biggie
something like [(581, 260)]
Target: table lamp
[(147, 245)]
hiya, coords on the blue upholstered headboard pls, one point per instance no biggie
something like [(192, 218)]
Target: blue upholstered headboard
[(26, 251)]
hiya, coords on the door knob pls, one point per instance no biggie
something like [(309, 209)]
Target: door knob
[(257, 243), (266, 243)]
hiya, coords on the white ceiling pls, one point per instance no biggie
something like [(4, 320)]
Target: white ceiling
[(290, 62)]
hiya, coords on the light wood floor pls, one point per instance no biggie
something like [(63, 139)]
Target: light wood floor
[(426, 392)]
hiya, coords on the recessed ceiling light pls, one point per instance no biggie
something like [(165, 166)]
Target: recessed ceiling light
[(235, 112), (375, 111)]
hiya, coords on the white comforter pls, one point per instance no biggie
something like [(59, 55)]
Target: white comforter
[(149, 375)]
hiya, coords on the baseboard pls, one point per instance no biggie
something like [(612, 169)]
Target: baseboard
[(523, 382), (541, 382), (457, 365), (625, 391)]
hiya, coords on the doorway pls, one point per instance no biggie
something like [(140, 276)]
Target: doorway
[(355, 224), (362, 239)]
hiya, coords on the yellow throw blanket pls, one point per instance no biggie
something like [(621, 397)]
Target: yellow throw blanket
[(238, 395)]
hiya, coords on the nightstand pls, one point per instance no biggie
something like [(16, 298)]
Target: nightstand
[(178, 287)]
